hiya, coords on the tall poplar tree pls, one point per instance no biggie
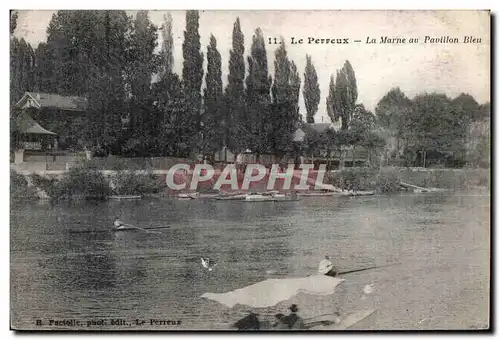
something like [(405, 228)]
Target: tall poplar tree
[(235, 115), (346, 95), (167, 47), (331, 100), (22, 68), (284, 113), (258, 99), (311, 91), (85, 55), (213, 101), (142, 64), (192, 74)]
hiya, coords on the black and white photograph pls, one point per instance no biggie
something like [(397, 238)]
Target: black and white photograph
[(250, 170)]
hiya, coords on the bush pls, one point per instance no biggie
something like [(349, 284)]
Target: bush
[(356, 179), (19, 188), (87, 182), (49, 185), (365, 179), (133, 183), (82, 181), (388, 182)]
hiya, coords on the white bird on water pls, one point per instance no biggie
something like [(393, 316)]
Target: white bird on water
[(206, 264), (367, 290)]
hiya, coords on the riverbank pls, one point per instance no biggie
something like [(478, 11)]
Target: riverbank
[(83, 182), (387, 179), (88, 182), (442, 243)]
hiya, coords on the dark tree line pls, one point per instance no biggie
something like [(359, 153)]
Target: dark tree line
[(433, 129), (137, 105)]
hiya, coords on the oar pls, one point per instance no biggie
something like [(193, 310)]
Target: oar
[(156, 228), (139, 228), (363, 269)]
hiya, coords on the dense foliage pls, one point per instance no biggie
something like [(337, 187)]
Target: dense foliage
[(434, 130), (138, 106)]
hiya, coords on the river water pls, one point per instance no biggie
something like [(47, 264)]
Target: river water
[(65, 264)]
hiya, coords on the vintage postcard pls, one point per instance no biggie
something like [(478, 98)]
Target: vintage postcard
[(249, 170)]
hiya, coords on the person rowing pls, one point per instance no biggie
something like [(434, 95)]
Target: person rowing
[(326, 267), (119, 225), (292, 320)]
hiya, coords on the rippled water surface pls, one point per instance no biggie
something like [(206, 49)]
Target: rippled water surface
[(66, 264)]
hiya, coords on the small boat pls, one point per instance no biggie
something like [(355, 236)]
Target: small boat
[(187, 196), (270, 292), (316, 193), (324, 322), (342, 323), (206, 195), (125, 197), (358, 193), (268, 197), (230, 197), (126, 228), (195, 195)]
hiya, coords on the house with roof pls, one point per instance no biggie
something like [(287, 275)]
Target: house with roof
[(302, 131), (55, 101), (60, 115), (43, 122), (355, 156)]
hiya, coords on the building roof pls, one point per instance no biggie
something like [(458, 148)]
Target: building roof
[(23, 123), (301, 132), (320, 127), (299, 135), (40, 100)]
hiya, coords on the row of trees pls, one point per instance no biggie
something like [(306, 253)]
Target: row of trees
[(139, 106), (432, 128)]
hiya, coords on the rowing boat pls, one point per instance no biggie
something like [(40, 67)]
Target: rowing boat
[(126, 228), (358, 193), (344, 323), (322, 322), (268, 197), (238, 197), (186, 196), (125, 197), (316, 194)]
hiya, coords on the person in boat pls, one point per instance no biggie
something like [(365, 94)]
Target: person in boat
[(326, 267), (118, 224), (293, 321), (249, 322), (280, 322)]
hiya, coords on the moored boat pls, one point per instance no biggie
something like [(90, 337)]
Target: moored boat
[(206, 195), (268, 197), (125, 197), (235, 197), (126, 228), (316, 193), (195, 195), (184, 196), (358, 193)]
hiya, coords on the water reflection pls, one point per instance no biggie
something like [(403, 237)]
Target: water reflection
[(66, 261)]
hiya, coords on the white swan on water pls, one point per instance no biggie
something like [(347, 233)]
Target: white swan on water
[(367, 290), (206, 264)]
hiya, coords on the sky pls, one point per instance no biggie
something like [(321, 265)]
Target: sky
[(413, 67)]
